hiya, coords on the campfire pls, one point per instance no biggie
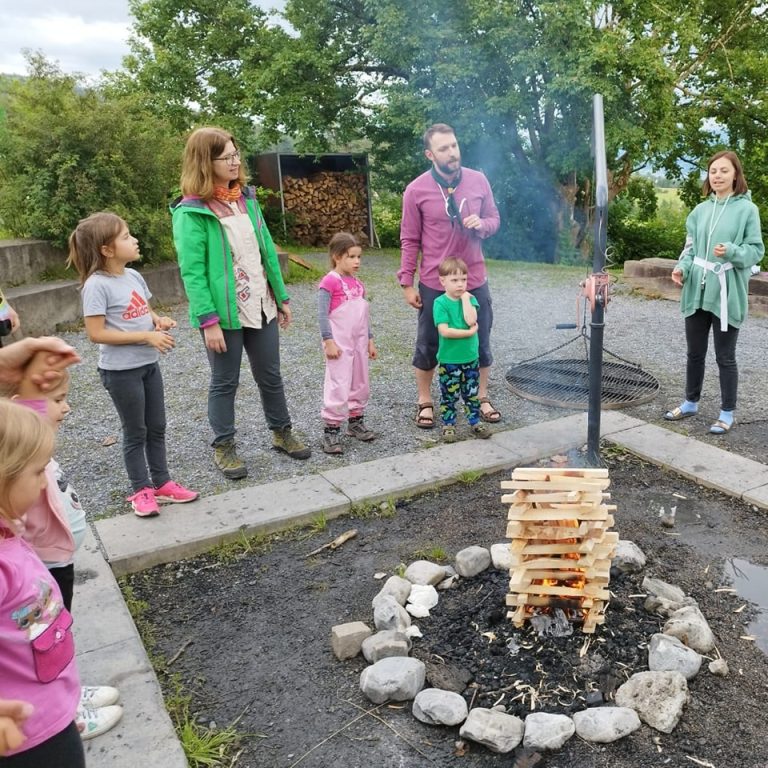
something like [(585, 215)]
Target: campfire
[(561, 546)]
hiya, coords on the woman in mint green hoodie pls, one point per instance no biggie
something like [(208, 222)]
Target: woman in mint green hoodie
[(723, 243)]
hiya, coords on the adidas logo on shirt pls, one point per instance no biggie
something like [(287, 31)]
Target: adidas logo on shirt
[(137, 308)]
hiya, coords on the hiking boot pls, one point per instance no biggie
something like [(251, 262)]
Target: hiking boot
[(95, 696), (226, 459), (144, 503), (284, 440), (93, 722), (174, 493), (332, 441), (481, 431), (356, 428)]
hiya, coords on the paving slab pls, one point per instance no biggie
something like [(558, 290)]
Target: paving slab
[(546, 438), (183, 530), (705, 464), (411, 473), (110, 652)]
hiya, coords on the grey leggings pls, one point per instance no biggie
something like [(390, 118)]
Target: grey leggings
[(262, 347), (139, 398)]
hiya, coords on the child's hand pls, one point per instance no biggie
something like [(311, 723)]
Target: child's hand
[(372, 352), (331, 349), (162, 341), (164, 323), (12, 714)]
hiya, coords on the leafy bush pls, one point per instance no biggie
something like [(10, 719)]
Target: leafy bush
[(387, 212), (68, 150)]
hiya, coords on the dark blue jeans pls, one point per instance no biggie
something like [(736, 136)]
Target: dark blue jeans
[(139, 398), (697, 328), (262, 347)]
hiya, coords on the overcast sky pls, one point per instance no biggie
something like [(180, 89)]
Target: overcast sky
[(81, 35)]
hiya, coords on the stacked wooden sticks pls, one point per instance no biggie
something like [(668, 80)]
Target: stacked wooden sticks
[(561, 545)]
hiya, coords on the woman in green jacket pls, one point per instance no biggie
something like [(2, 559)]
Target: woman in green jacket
[(723, 243), (237, 297)]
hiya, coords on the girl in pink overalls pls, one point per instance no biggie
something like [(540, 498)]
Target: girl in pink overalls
[(342, 311)]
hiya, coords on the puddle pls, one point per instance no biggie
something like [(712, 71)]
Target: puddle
[(751, 583)]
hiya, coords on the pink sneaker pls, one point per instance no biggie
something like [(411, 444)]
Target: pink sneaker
[(175, 493), (143, 503)]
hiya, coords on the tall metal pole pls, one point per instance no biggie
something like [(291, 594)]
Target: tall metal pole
[(598, 263)]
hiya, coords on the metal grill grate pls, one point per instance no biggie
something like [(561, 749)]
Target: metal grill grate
[(564, 383)]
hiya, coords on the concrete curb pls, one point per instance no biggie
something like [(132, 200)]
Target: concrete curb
[(110, 651)]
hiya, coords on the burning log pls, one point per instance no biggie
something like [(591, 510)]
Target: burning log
[(561, 547)]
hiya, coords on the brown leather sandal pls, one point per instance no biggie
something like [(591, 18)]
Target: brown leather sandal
[(489, 417), (425, 422)]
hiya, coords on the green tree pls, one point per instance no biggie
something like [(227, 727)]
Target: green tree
[(67, 150)]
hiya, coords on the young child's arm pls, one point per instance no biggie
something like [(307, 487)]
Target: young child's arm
[(96, 328), (330, 347), (162, 323), (12, 714), (469, 309), (447, 332)]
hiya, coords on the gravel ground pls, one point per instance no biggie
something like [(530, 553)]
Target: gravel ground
[(529, 301)]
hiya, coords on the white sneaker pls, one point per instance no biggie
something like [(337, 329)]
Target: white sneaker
[(94, 722), (95, 696)]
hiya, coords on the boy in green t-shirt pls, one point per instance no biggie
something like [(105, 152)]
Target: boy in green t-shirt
[(455, 315)]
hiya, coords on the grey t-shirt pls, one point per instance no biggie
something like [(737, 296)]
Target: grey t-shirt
[(123, 300)]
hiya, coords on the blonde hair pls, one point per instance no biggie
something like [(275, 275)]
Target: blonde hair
[(203, 146), (452, 266), (90, 236), (24, 436), (340, 243)]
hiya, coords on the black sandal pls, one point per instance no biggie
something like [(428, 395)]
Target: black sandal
[(425, 422)]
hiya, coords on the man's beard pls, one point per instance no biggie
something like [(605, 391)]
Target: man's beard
[(447, 170)]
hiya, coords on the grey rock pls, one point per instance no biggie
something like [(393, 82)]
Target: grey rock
[(496, 730), (384, 645), (397, 679), (417, 611), (668, 654), (660, 588), (657, 697), (389, 614), (395, 586), (603, 725), (546, 731), (347, 639), (424, 572), (719, 667), (423, 594), (628, 557), (449, 583), (501, 556), (689, 625), (436, 707), (472, 560)]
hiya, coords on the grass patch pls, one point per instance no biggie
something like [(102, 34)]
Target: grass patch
[(231, 551), (318, 524), (298, 274), (434, 554), (367, 510), (469, 476), (57, 272)]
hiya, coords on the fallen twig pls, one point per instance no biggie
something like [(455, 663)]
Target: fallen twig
[(699, 762), (336, 543), (181, 650), (336, 733)]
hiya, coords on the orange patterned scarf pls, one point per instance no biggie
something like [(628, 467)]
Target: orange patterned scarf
[(227, 194)]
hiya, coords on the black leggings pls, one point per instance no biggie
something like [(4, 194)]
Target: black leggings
[(64, 750), (65, 578)]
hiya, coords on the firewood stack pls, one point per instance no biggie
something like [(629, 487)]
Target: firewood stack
[(561, 545), (325, 203)]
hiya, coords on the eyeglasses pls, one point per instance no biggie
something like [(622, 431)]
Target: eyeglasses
[(231, 159)]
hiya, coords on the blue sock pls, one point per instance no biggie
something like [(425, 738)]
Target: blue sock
[(726, 417), (689, 406)]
